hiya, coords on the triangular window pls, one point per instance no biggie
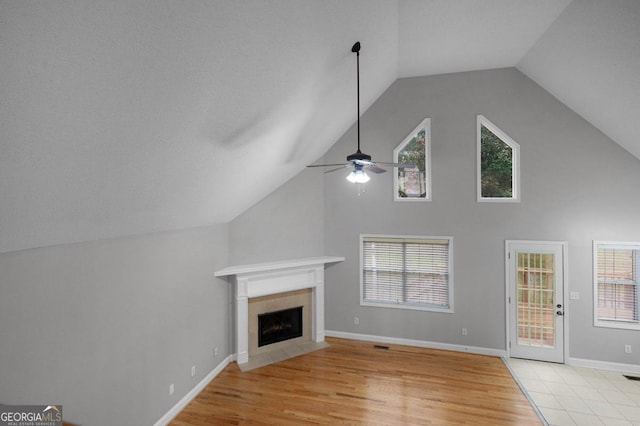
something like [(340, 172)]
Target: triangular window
[(414, 184), (498, 164)]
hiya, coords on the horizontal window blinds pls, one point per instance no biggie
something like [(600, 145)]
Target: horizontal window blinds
[(617, 283), (406, 271)]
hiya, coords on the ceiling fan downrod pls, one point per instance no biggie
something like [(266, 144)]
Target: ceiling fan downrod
[(358, 155)]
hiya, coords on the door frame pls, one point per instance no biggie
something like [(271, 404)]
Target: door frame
[(565, 292)]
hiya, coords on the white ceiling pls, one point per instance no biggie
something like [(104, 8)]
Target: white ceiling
[(121, 118), (444, 36)]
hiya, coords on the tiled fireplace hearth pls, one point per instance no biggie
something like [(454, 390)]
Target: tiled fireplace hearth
[(271, 287)]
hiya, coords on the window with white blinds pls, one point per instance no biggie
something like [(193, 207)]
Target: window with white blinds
[(407, 272), (616, 275)]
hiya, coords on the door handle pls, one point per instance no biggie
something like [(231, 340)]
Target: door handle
[(559, 313)]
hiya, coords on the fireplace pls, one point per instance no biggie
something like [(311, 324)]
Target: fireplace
[(279, 326), (257, 283), (282, 333)]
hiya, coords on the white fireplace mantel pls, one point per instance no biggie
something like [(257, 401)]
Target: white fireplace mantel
[(262, 279)]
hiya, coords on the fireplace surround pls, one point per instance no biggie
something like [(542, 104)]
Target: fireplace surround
[(272, 278)]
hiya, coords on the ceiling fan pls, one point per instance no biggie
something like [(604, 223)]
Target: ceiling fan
[(360, 162)]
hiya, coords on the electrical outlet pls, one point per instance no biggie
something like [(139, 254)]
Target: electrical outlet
[(215, 352), (627, 349), (464, 332), (574, 295), (356, 320), (193, 370), (171, 389)]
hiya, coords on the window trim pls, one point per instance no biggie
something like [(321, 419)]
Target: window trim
[(448, 310), (481, 120), (612, 323), (426, 125)]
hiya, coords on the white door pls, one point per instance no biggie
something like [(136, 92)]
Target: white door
[(536, 300)]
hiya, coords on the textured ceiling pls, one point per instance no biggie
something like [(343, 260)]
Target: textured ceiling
[(121, 118)]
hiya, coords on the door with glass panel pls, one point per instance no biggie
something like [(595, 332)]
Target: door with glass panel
[(536, 300)]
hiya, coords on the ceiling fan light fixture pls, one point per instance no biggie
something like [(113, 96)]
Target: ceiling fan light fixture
[(358, 176)]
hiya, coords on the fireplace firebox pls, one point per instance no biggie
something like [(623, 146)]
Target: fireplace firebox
[(278, 326)]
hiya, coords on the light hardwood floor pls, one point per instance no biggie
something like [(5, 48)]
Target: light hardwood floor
[(351, 382)]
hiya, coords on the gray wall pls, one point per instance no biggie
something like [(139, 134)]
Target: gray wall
[(287, 224), (105, 327), (577, 185)]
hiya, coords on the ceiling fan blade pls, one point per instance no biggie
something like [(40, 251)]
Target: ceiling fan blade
[(403, 165), (374, 168), (344, 166), (328, 165)]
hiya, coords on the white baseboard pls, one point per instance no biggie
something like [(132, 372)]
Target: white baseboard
[(605, 365), (169, 415), (418, 343)]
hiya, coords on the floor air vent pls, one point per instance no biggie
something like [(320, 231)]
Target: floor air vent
[(381, 347)]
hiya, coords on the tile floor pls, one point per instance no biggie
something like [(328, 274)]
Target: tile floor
[(567, 395)]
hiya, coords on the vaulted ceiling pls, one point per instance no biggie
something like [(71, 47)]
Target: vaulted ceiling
[(121, 118)]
